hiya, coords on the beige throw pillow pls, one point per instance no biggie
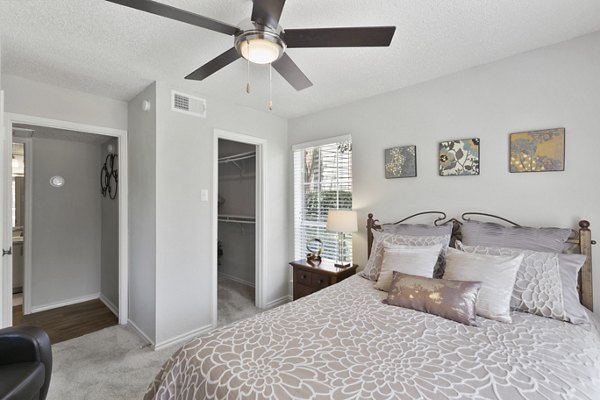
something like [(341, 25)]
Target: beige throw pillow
[(412, 260), (497, 276)]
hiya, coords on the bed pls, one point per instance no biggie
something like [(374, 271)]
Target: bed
[(344, 343)]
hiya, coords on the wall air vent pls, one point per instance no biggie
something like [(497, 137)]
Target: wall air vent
[(187, 104)]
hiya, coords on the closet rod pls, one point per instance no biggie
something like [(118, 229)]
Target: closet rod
[(240, 219), (237, 157)]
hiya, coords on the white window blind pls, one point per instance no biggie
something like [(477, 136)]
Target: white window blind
[(322, 181)]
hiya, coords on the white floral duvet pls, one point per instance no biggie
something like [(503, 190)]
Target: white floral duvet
[(343, 343)]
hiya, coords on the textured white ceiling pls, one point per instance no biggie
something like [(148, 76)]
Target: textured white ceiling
[(110, 50)]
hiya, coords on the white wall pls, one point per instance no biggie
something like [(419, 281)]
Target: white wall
[(24, 96), (556, 86), (184, 228), (109, 277), (66, 222), (142, 213)]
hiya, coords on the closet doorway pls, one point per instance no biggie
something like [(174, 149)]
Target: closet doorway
[(238, 203)]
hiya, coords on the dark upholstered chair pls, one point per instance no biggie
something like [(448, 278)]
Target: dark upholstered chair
[(25, 363)]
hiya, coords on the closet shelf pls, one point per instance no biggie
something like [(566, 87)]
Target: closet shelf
[(239, 219), (237, 157)]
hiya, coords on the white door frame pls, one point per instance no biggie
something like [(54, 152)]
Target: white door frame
[(261, 207), (121, 135), (28, 146)]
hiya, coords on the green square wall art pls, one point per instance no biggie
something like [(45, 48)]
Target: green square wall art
[(459, 157), (537, 151), (401, 162)]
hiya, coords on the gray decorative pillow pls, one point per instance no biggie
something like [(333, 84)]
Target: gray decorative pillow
[(454, 300), (546, 283), (418, 229), (373, 266), (495, 235)]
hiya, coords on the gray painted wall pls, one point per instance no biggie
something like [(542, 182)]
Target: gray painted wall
[(66, 222), (556, 86), (184, 167), (238, 187), (27, 97), (142, 213), (109, 277)]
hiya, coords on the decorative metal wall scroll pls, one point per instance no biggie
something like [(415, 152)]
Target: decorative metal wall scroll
[(109, 176)]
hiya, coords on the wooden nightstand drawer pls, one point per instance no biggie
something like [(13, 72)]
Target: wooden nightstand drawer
[(319, 281), (303, 277), (309, 278)]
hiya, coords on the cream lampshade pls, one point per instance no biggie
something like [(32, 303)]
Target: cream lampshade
[(342, 222)]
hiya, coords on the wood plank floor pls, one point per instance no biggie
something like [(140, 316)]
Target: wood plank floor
[(68, 322)]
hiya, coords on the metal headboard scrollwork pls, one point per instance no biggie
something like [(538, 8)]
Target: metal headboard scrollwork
[(465, 217)]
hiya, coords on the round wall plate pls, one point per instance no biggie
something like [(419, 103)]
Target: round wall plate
[(57, 181)]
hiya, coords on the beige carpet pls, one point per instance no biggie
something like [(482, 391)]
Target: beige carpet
[(116, 364)]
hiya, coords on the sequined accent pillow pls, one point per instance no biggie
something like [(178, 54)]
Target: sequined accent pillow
[(496, 274), (453, 300), (373, 266), (413, 260), (546, 283)]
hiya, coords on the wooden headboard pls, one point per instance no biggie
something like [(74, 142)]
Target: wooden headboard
[(580, 241)]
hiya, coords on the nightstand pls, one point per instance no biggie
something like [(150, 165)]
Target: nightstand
[(309, 278)]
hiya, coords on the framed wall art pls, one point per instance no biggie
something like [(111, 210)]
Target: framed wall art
[(537, 151), (459, 157), (401, 162)]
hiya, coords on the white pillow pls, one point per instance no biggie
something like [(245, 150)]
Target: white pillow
[(412, 260), (497, 276)]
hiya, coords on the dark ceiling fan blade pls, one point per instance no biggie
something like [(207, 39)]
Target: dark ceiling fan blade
[(267, 12), (214, 65), (167, 11), (340, 37), (291, 73)]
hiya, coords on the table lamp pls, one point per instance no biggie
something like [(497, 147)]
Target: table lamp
[(342, 222)]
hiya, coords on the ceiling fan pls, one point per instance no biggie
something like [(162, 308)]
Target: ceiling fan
[(261, 40)]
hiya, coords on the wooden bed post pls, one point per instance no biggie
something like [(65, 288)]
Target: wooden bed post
[(585, 282), (370, 223)]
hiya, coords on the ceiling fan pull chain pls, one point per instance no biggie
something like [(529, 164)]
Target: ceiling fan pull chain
[(248, 70), (270, 87)]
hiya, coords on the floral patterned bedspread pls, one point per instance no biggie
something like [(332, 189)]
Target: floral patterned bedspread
[(343, 343)]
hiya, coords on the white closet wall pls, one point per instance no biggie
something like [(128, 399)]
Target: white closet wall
[(237, 185)]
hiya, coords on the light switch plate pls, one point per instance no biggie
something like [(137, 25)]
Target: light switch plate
[(204, 195)]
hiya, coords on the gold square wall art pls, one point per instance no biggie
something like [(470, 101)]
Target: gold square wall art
[(459, 157), (401, 162), (537, 151)]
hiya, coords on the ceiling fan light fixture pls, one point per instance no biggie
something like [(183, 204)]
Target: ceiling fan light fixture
[(260, 51), (260, 47)]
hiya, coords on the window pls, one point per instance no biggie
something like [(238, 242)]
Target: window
[(322, 181)]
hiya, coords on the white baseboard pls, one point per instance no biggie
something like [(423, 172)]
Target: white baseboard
[(182, 338), (278, 302), (109, 304), (235, 279), (139, 332), (62, 303)]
